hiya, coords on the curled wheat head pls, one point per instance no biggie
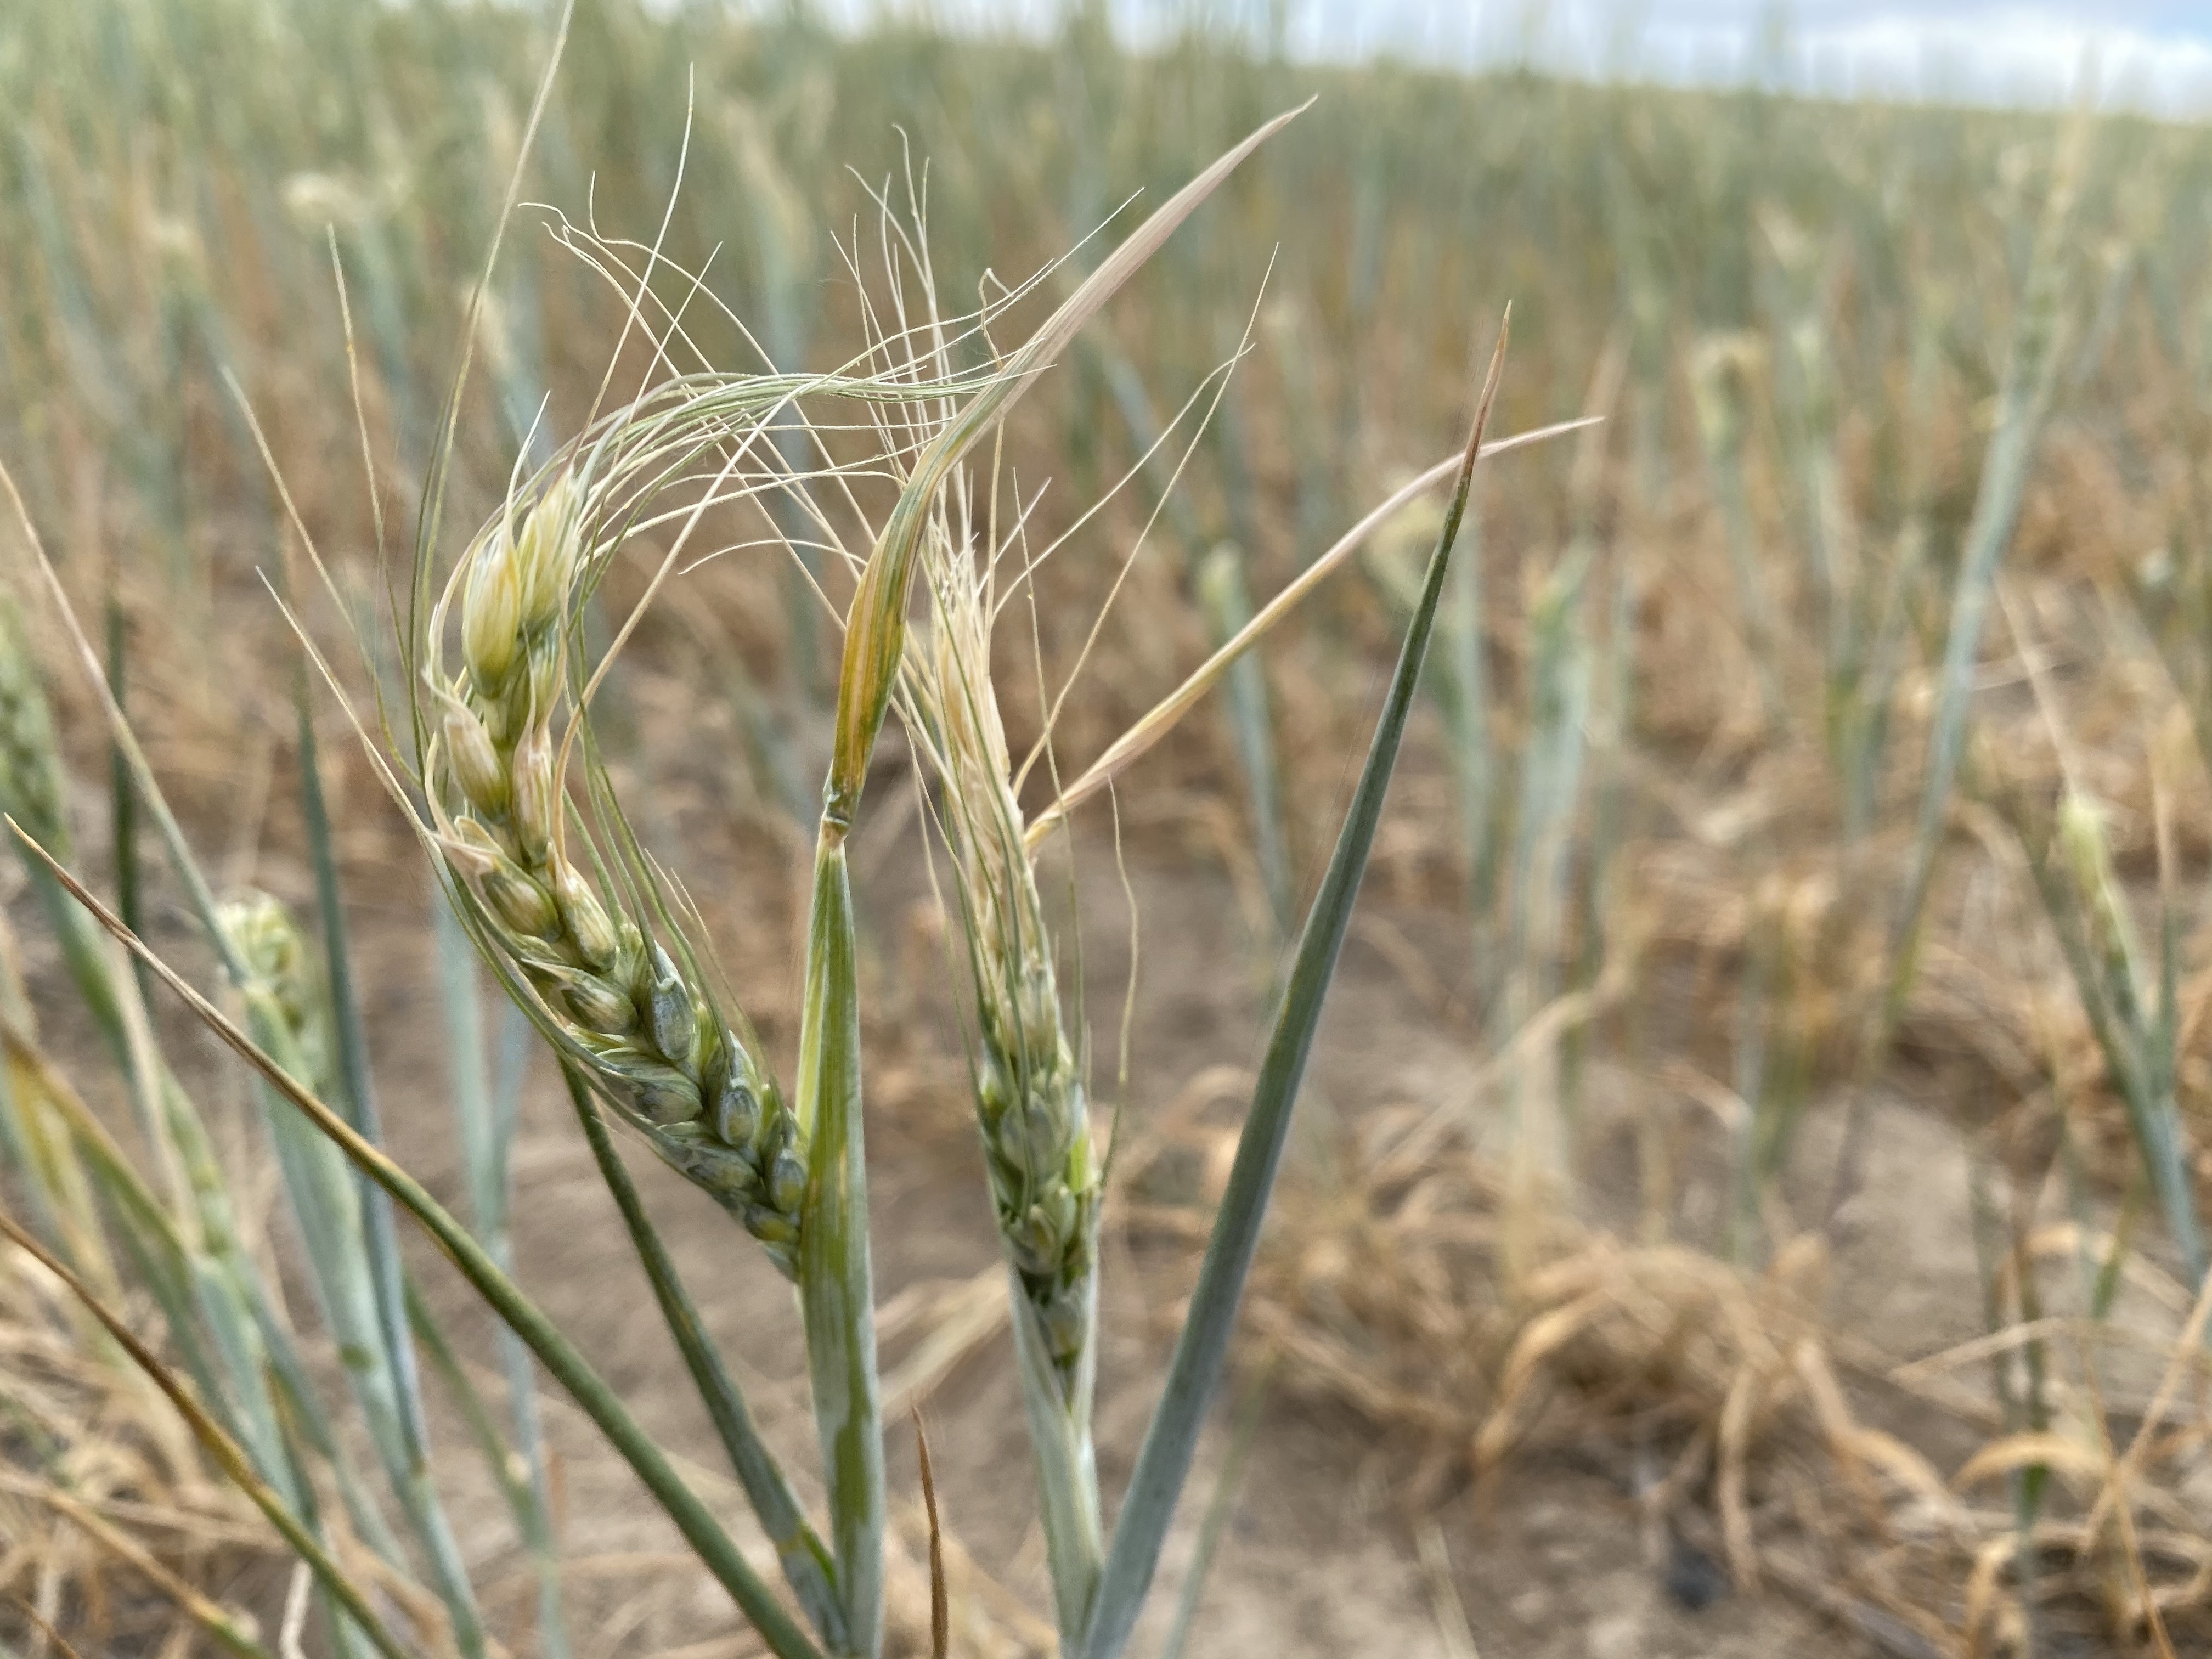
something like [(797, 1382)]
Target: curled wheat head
[(594, 959)]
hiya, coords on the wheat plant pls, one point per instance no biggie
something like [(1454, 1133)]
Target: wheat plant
[(593, 943)]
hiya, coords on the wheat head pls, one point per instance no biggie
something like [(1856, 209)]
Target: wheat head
[(30, 771), (1031, 1105), (631, 1013), (286, 973)]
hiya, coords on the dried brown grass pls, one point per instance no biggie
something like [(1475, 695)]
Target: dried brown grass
[(110, 1525), (1742, 1416)]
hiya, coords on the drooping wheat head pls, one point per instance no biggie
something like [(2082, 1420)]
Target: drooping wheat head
[(586, 955)]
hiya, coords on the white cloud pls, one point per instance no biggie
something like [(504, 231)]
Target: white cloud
[(2150, 53), (2153, 54)]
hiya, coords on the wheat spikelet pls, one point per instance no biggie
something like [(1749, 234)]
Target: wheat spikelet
[(613, 998), (30, 777)]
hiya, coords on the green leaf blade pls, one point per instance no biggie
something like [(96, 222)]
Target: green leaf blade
[(1201, 1352)]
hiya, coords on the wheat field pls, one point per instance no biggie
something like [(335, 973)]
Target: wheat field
[(708, 720)]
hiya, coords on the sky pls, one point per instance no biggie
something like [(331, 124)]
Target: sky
[(2154, 54)]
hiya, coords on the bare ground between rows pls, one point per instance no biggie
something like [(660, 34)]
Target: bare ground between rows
[(1320, 1557), (1554, 1558)]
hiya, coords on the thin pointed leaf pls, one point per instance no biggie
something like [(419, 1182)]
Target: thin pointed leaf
[(1161, 719), (940, 1601), (149, 1237), (1201, 1352), (127, 753), (208, 1296), (326, 1206)]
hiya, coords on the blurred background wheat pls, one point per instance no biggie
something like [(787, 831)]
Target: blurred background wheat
[(1750, 1198)]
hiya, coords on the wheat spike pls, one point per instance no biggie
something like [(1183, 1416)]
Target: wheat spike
[(287, 973), (1029, 1096), (615, 999), (30, 777)]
